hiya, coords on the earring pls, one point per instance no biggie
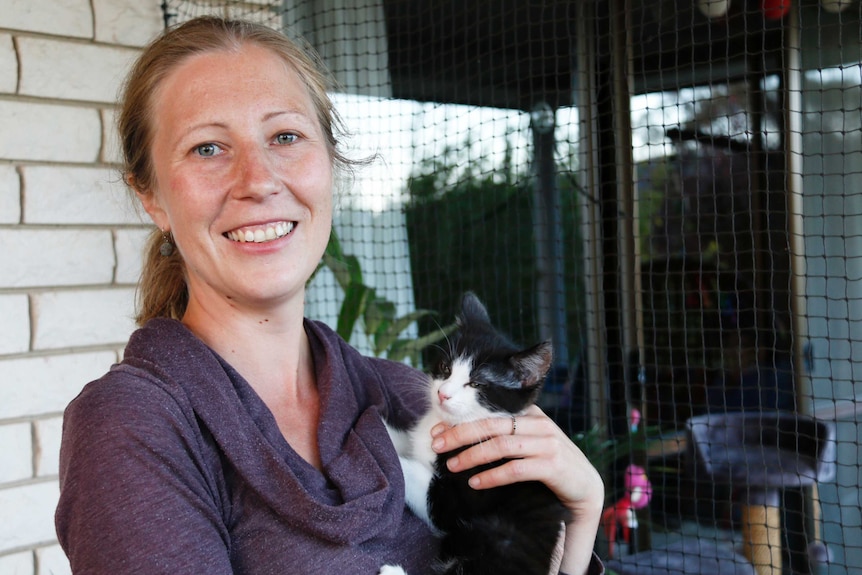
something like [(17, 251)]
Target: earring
[(167, 247)]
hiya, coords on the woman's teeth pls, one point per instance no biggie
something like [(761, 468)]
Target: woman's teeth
[(261, 234)]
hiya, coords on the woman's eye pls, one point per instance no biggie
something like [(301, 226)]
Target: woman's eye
[(286, 138), (207, 150)]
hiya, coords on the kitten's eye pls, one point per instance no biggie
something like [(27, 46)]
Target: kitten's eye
[(474, 384)]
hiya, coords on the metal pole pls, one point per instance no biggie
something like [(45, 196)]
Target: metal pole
[(549, 239), (802, 501)]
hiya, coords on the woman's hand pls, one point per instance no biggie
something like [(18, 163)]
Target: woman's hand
[(538, 451)]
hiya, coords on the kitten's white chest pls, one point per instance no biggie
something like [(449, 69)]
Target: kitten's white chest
[(420, 440), (417, 464)]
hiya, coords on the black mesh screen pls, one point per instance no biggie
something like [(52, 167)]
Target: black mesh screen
[(670, 190)]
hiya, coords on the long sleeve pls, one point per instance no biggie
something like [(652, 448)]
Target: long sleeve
[(171, 463), (136, 496)]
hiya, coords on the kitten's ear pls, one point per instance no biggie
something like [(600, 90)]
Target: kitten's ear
[(472, 310), (532, 364)]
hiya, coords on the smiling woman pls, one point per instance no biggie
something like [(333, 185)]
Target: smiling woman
[(222, 167), (163, 291), (236, 436)]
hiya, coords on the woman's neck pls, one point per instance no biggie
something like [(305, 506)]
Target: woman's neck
[(272, 353), (267, 346)]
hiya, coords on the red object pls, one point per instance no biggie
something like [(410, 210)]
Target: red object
[(621, 515), (775, 9)]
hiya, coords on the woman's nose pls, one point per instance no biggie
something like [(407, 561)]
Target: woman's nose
[(256, 174)]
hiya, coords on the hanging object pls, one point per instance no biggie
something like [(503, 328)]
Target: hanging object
[(835, 6), (774, 9), (713, 8), (621, 516)]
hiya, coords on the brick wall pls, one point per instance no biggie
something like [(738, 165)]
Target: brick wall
[(69, 241)]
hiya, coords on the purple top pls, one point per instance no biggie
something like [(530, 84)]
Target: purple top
[(171, 463)]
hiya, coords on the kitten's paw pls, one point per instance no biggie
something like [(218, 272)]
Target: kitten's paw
[(391, 570), (417, 479)]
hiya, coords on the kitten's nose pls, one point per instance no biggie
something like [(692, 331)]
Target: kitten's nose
[(443, 397)]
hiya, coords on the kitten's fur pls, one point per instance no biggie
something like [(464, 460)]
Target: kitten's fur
[(511, 529)]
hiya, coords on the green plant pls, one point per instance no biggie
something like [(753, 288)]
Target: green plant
[(379, 316)]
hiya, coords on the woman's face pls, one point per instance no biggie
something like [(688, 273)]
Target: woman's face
[(243, 177)]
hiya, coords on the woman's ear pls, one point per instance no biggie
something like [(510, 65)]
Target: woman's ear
[(150, 200)]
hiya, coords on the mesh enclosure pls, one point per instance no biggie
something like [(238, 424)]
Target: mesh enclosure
[(671, 191)]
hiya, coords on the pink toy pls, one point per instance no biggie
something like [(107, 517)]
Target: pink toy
[(622, 513), (634, 419)]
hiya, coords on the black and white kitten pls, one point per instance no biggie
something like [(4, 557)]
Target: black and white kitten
[(511, 529)]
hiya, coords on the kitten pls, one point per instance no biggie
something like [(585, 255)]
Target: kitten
[(511, 529)]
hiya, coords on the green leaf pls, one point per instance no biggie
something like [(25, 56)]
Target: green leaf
[(355, 297), (404, 321), (379, 313), (345, 268), (384, 338), (402, 348)]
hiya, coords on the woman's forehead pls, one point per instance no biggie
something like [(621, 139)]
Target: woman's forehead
[(220, 82)]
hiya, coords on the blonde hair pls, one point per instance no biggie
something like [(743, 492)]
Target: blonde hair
[(162, 291)]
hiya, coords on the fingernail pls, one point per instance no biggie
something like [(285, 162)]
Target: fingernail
[(437, 444), (452, 463), (437, 429), (474, 482)]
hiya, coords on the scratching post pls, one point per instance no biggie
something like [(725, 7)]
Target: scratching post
[(761, 531)]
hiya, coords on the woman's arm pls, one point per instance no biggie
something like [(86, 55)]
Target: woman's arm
[(539, 451), (134, 491)]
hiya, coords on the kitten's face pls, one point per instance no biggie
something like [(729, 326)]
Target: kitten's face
[(456, 396), (466, 389), (484, 374)]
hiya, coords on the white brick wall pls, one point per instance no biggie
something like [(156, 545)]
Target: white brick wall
[(47, 441), (59, 69), (17, 563), (10, 195), (16, 446), (49, 132), (129, 244), (44, 257), (127, 22), (8, 65), (15, 335), (70, 242), (32, 507), (52, 561), (57, 17), (41, 385), (84, 317), (76, 195)]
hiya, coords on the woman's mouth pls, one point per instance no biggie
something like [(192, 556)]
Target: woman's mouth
[(261, 234)]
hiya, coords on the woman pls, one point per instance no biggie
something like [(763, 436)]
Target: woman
[(236, 436)]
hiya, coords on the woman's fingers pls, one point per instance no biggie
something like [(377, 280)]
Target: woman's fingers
[(537, 440), (450, 438), (538, 451)]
